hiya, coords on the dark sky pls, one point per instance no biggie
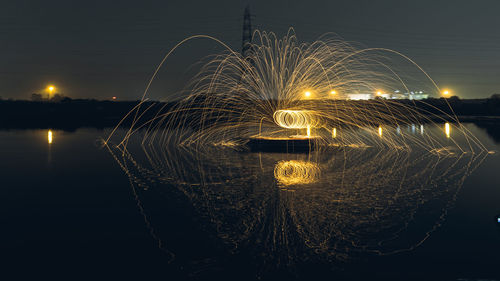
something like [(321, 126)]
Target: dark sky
[(100, 49)]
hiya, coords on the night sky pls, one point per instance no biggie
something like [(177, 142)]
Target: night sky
[(99, 49)]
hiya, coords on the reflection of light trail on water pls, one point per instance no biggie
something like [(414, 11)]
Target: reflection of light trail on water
[(343, 202), (296, 172)]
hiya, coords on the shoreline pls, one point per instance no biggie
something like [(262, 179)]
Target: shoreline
[(71, 114)]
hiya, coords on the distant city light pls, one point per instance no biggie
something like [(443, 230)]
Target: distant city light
[(114, 98)]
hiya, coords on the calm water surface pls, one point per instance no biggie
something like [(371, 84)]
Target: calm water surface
[(69, 211)]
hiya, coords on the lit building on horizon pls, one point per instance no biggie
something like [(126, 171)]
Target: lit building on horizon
[(396, 95)]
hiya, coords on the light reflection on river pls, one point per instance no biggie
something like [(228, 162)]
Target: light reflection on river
[(267, 215)]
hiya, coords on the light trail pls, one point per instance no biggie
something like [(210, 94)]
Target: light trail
[(285, 85)]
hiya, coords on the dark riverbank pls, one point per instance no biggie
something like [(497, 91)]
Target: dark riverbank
[(66, 115), (71, 114)]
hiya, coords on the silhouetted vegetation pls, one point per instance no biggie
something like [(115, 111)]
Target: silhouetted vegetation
[(462, 107), (62, 113)]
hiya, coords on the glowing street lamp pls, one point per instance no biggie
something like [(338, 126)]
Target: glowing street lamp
[(51, 90)]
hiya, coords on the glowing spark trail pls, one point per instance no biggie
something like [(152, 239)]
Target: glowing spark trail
[(235, 98)]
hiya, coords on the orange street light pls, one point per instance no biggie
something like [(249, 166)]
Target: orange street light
[(51, 90)]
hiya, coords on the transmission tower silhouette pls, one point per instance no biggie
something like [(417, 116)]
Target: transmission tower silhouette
[(246, 43)]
